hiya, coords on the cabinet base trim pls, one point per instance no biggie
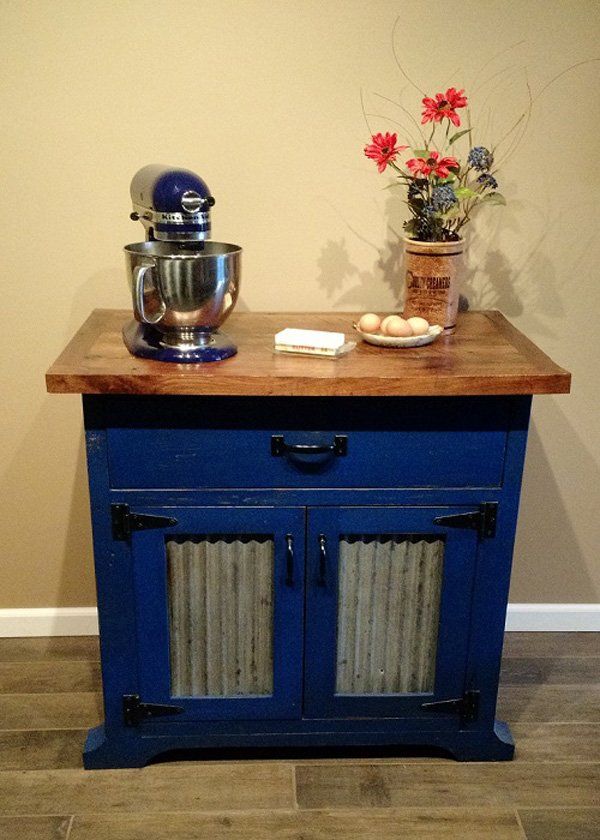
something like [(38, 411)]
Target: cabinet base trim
[(124, 750)]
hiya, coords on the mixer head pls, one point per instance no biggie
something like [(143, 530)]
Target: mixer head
[(172, 204)]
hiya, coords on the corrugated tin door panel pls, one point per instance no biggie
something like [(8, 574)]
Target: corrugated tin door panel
[(388, 606), (219, 600), (388, 611)]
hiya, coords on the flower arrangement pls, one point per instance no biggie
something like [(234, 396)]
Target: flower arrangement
[(442, 192)]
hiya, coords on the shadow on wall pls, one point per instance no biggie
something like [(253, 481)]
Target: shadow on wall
[(337, 275), (550, 564), (492, 279), (524, 282), (335, 269)]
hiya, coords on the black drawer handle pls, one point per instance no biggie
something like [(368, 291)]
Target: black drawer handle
[(280, 447)]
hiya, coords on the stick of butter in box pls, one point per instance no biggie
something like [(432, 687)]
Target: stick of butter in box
[(314, 342)]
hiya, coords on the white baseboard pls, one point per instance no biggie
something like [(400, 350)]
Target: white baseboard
[(49, 621), (83, 621)]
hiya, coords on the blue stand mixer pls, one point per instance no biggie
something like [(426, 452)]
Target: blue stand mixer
[(183, 285)]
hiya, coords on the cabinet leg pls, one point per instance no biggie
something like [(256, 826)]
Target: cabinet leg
[(101, 752), (497, 745)]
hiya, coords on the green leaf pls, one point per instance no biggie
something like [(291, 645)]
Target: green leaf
[(494, 198), (453, 213), (424, 153), (458, 135), (464, 192)]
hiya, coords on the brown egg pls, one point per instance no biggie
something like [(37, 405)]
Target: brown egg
[(418, 325), (384, 323), (369, 323), (398, 327)]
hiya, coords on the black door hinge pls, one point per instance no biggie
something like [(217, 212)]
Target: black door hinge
[(466, 706), (124, 521), (134, 711), (483, 520)]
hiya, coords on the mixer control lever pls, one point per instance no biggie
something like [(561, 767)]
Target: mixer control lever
[(193, 202)]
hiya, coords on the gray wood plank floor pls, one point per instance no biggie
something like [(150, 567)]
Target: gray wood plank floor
[(550, 693)]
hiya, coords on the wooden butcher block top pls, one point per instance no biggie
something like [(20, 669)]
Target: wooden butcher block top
[(486, 355)]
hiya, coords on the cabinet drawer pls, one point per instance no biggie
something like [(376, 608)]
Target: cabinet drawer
[(416, 443)]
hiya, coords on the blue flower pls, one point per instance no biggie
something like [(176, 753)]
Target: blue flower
[(488, 181), (423, 228), (480, 158), (443, 197)]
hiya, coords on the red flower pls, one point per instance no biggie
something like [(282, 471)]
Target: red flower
[(444, 105), (425, 166), (383, 149)]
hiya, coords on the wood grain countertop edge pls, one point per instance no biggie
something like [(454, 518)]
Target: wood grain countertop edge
[(62, 378)]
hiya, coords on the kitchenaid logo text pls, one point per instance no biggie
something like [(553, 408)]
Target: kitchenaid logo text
[(421, 281)]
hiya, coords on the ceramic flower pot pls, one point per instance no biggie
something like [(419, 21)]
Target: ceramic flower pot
[(433, 275)]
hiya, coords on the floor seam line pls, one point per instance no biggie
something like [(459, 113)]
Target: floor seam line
[(70, 826), (520, 824), (295, 788)]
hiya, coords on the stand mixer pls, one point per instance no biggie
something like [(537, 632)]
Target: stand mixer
[(183, 285)]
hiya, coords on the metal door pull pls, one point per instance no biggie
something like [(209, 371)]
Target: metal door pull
[(322, 580), (289, 562), (280, 447)]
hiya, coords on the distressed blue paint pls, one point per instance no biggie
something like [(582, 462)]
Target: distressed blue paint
[(490, 595), (392, 443), (114, 585), (327, 496), (182, 456)]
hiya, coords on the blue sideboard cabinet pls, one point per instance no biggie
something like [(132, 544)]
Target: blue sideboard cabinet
[(304, 552)]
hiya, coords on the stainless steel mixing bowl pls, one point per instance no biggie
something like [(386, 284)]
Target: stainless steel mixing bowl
[(185, 294)]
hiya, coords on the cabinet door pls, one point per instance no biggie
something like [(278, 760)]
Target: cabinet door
[(388, 610), (219, 610)]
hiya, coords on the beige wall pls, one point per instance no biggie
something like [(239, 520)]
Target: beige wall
[(263, 99)]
